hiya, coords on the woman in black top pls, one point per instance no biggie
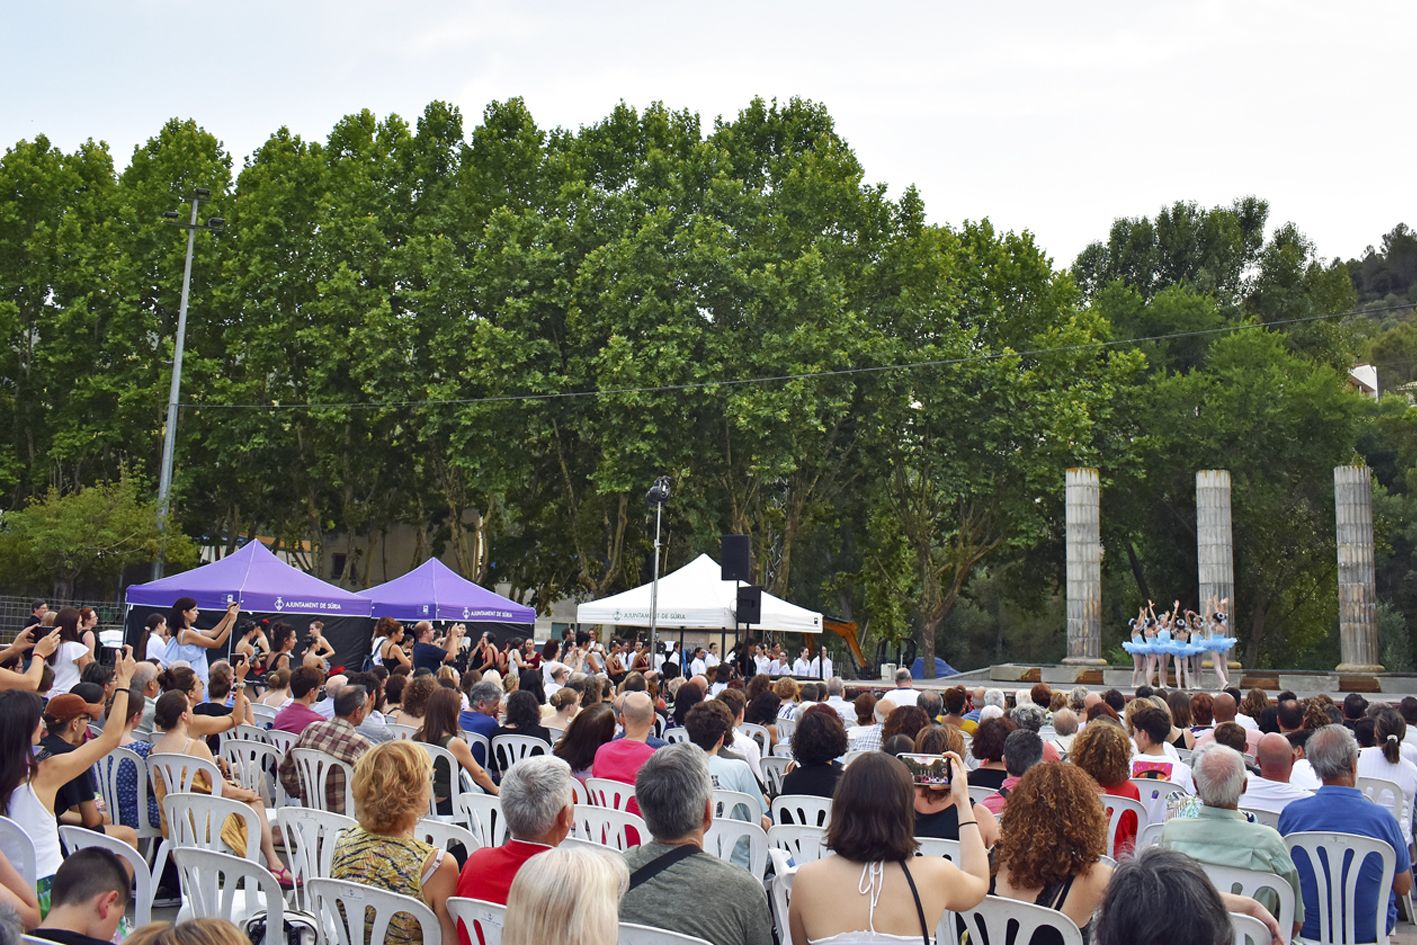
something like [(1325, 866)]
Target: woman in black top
[(988, 748), (935, 812), (817, 742), (524, 718)]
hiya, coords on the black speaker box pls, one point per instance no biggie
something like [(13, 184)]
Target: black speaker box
[(750, 604), (734, 557)]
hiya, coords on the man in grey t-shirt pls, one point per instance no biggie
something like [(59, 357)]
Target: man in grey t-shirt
[(674, 884)]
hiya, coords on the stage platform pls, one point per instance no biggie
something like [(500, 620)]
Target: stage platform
[(1386, 686)]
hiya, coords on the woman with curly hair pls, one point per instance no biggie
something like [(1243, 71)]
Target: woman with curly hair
[(988, 750), (392, 784), (817, 742), (1254, 705), (788, 694), (415, 700), (1053, 839), (936, 812), (1105, 752), (873, 888), (905, 720)]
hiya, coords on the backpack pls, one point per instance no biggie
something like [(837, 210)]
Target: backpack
[(301, 928)]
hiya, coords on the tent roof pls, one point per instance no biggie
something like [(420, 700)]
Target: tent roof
[(697, 598), (257, 579), (434, 591)]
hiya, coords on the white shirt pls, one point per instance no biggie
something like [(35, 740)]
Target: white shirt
[(715, 689), (325, 707), (776, 668), (801, 667), (763, 664), (1244, 721), (1273, 796), (66, 671), (157, 649), (903, 696), (711, 660), (1372, 764), (751, 751), (845, 709), (697, 667), (1303, 776), (1173, 770), (814, 669)]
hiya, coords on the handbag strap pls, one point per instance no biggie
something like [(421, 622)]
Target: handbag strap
[(661, 863), (919, 908)]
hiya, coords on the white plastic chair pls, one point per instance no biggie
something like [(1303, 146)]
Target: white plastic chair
[(254, 765), (1329, 864), (1249, 930), (851, 756), (360, 914), (402, 731), (1116, 807), (804, 844), (314, 767), (806, 809), (572, 840), (476, 915), (632, 934), (458, 779), (475, 742), (774, 769), (210, 882), (443, 834), (759, 734), (195, 820), (610, 827), (1389, 794), (725, 836), (1229, 879), (310, 837), (780, 891), (676, 735), (18, 848), (179, 771), (252, 733), (991, 921), (556, 733), (284, 741), (106, 770), (579, 794), (938, 846), (482, 813), (507, 750), (782, 749), (785, 728), (1267, 817), (736, 805), (604, 792), (978, 792), (264, 714), (1150, 835), (79, 838)]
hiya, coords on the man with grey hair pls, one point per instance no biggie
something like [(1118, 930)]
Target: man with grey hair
[(484, 701), (1339, 806), (1221, 836), (539, 806), (326, 706), (1031, 717), (145, 681), (904, 692), (1065, 728), (836, 698), (1077, 699), (674, 884), (932, 703)]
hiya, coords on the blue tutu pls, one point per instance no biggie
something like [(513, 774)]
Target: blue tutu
[(1182, 650), (1220, 644), (1138, 649)]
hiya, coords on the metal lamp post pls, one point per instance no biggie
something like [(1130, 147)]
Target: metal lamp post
[(169, 439), (658, 495)]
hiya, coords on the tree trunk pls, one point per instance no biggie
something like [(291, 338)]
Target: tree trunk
[(1137, 573)]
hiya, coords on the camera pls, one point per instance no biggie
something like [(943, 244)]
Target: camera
[(933, 770)]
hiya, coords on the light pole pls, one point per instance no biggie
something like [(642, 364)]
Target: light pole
[(658, 495), (169, 439)]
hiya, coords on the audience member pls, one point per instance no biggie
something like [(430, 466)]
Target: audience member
[(1224, 710), (956, 700), (857, 893), (415, 700), (988, 749), (935, 812), (836, 692), (744, 745), (88, 900), (440, 727), (1104, 752), (1339, 806), (325, 707), (1271, 790), (191, 932), (484, 700), (375, 726), (1221, 836), (868, 737), (932, 704), (1152, 761), (1022, 750), (904, 692), (570, 896), (589, 730), (523, 718), (66, 720), (622, 758), (304, 691), (1031, 717), (818, 743), (674, 885), (145, 683), (1384, 760), (905, 720), (392, 785), (339, 738), (1150, 891)]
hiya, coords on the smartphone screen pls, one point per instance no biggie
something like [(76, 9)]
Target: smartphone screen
[(928, 769)]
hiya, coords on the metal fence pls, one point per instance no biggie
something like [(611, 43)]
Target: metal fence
[(15, 613)]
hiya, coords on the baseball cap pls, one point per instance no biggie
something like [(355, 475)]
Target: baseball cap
[(67, 707)]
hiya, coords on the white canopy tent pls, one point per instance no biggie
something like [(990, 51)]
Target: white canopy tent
[(695, 598)]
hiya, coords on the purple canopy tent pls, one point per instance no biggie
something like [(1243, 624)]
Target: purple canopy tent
[(434, 591), (265, 586)]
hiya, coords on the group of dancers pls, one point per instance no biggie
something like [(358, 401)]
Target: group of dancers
[(1184, 636)]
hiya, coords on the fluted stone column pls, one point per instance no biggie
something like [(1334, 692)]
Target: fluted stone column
[(1084, 549), (1357, 591), (1215, 548)]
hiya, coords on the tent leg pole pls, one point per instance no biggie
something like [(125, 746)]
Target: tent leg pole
[(654, 586)]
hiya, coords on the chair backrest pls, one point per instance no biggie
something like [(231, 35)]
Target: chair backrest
[(1185, 754), (252, 733), (556, 733), (573, 840), (676, 734), (18, 848), (735, 805), (1389, 795), (1267, 817), (210, 881), (785, 728), (804, 844), (1228, 879), (724, 837), (179, 771), (774, 769), (978, 792), (780, 891), (614, 828), (806, 809), (632, 934), (402, 731), (1150, 835), (759, 734), (478, 919), (196, 820), (995, 917), (937, 846), (107, 770), (78, 838), (360, 914), (314, 767), (479, 746), (482, 814), (1152, 789), (443, 834), (310, 837), (605, 792), (1249, 930), (579, 794), (1329, 864), (658, 725), (851, 756), (284, 741), (507, 750), (1116, 807), (253, 764), (263, 714), (442, 757), (782, 749)]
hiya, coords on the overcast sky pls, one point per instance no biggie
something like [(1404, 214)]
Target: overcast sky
[(1052, 117)]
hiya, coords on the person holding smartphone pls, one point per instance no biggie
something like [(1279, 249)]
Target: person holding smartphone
[(190, 644)]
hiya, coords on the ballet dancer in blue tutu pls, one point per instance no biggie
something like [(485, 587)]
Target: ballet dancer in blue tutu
[(1217, 638), (1138, 647)]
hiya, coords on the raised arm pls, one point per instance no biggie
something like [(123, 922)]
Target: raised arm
[(58, 770), (218, 634), (973, 882), (450, 648), (9, 679)]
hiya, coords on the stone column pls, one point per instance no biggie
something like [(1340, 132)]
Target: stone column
[(1084, 550), (1215, 549), (1357, 592)]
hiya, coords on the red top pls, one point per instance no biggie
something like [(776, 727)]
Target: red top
[(621, 760), (1127, 825), (296, 718), (488, 873)]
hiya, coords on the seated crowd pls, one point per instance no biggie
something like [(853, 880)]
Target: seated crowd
[(1049, 798)]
